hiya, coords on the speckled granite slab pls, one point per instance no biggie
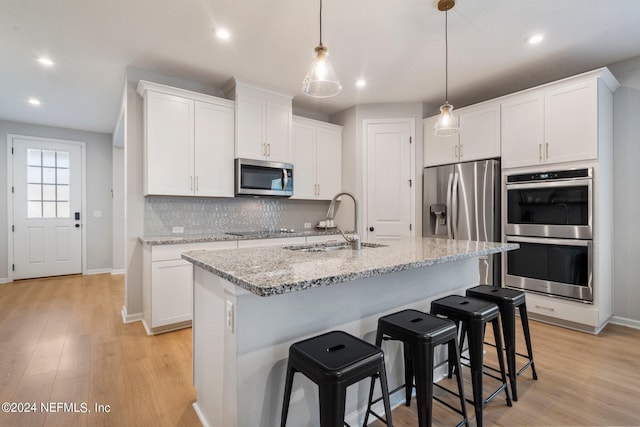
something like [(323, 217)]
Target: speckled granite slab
[(173, 240), (277, 270)]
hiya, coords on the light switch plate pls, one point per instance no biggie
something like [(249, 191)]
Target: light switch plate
[(177, 230)]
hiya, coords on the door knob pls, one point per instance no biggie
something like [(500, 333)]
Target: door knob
[(77, 225), (371, 229)]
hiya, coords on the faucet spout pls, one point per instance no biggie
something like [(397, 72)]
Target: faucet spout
[(355, 238)]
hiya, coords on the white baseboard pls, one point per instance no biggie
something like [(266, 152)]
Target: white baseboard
[(98, 271), (117, 272), (130, 318), (4, 280), (623, 321)]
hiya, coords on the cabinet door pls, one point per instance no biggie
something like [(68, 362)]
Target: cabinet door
[(571, 120), (438, 150), (214, 145), (168, 144), (523, 130), (328, 163), (278, 129), (250, 125), (304, 161), (479, 133), (171, 292)]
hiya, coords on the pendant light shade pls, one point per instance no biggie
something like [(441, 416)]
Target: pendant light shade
[(321, 80), (447, 124)]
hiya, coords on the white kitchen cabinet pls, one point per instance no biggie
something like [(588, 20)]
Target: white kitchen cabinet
[(556, 123), (188, 148), (479, 136), (263, 122), (317, 159), (168, 285)]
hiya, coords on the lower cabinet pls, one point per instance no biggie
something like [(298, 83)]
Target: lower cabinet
[(167, 300)]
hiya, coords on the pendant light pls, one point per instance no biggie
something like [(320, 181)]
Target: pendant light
[(447, 124), (321, 80)]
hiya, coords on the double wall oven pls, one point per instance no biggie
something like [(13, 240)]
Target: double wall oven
[(550, 214)]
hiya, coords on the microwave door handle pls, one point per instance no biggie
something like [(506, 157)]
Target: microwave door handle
[(448, 212), (454, 205), (285, 179)]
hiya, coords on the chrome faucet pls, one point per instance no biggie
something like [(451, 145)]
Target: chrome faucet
[(353, 239)]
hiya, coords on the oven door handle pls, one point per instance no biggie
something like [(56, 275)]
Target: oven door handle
[(548, 241), (454, 205), (448, 212)]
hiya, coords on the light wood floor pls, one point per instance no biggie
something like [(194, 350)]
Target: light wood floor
[(63, 340)]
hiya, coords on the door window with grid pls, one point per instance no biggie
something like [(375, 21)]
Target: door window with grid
[(48, 184)]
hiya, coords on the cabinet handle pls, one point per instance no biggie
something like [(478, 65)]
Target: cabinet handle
[(318, 186), (542, 307), (461, 150), (191, 182), (547, 151), (197, 183), (264, 150), (455, 152), (269, 150), (540, 152)]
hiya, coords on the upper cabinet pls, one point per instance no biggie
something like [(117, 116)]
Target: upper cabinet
[(263, 122), (479, 136), (559, 122), (317, 159), (188, 142)]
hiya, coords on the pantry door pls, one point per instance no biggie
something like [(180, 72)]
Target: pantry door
[(389, 187), (47, 203)]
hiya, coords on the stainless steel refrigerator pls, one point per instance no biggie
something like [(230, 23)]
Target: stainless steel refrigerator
[(462, 201)]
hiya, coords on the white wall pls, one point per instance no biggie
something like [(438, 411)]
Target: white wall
[(98, 146), (626, 195), (353, 155)]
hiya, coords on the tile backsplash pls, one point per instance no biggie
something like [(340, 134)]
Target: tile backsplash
[(212, 216)]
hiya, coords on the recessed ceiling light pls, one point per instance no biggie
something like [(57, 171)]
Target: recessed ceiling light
[(535, 38), (223, 34), (47, 62), (34, 101), (361, 83)]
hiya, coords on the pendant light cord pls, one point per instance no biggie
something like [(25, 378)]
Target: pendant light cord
[(446, 56), (320, 22)]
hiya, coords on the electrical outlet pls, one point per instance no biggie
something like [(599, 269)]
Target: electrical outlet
[(307, 225), (177, 230), (229, 316)]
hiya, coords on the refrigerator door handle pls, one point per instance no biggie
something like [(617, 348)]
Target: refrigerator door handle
[(448, 213), (454, 205)]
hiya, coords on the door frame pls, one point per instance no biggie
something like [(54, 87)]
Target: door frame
[(10, 221), (365, 169)]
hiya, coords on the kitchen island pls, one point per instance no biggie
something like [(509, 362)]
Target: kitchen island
[(251, 304)]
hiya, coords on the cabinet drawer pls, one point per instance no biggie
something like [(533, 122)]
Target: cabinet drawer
[(584, 314), (168, 252)]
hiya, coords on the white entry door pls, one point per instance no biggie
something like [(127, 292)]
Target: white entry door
[(47, 201), (389, 185)]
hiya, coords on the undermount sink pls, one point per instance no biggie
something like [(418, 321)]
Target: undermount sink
[(329, 247)]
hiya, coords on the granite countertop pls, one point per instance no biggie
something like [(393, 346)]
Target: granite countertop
[(278, 270), (220, 237)]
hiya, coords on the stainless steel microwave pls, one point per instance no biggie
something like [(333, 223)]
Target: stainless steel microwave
[(263, 178)]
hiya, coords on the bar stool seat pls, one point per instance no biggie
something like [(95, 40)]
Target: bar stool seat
[(473, 315), (507, 301), (334, 361), (421, 333)]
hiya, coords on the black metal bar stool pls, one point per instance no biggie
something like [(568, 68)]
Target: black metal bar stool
[(421, 333), (507, 300), (334, 361), (473, 315)]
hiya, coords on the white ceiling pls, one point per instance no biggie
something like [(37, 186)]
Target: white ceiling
[(396, 45)]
